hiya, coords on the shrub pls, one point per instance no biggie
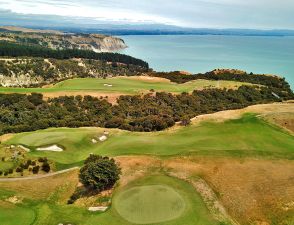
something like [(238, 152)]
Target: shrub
[(36, 169), (185, 121), (46, 167), (19, 169), (42, 159)]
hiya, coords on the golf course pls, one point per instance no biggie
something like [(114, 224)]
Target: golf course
[(215, 139), (103, 139), (123, 85), (152, 189)]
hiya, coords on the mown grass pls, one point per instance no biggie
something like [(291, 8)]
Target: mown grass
[(248, 136), (124, 85), (47, 212)]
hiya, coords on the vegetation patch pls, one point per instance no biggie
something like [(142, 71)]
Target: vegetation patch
[(151, 112)]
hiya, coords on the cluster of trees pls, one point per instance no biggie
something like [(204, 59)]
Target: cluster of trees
[(18, 50), (266, 80), (30, 165), (150, 112)]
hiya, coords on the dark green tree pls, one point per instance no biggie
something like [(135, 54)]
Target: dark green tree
[(99, 173)]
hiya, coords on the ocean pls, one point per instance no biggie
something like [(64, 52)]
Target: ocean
[(196, 53)]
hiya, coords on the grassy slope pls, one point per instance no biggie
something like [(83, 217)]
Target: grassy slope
[(124, 85), (248, 136)]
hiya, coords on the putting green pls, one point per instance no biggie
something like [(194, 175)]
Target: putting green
[(150, 204)]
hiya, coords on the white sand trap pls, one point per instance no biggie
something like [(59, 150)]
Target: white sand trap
[(108, 85), (94, 141), (24, 148), (99, 208), (53, 148), (103, 138)]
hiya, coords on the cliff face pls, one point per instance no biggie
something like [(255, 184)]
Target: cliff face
[(59, 40), (30, 72), (22, 80), (110, 44)]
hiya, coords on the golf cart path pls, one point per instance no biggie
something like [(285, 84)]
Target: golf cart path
[(38, 176)]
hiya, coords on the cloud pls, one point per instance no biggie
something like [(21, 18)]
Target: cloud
[(265, 14)]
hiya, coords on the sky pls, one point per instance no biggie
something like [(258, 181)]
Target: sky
[(248, 14)]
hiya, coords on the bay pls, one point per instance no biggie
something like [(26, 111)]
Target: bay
[(196, 53)]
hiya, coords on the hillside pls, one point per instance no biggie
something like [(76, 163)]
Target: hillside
[(59, 40), (32, 72)]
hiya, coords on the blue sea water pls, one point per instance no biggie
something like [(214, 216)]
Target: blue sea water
[(194, 53)]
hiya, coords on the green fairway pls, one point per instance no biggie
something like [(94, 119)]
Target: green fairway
[(248, 136), (13, 215), (125, 85)]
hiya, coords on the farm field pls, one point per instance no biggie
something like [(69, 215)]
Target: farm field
[(123, 85)]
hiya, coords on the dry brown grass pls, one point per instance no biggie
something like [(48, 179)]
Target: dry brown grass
[(282, 119), (134, 167), (5, 137), (147, 79), (62, 185), (253, 191), (261, 109)]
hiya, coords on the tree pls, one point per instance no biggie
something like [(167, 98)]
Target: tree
[(36, 169), (99, 173), (46, 167)]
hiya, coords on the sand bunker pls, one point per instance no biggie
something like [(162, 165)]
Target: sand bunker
[(24, 148), (108, 85), (14, 200), (53, 148), (99, 208), (103, 138)]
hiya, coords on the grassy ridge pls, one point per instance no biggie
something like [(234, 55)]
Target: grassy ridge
[(243, 137), (124, 85)]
